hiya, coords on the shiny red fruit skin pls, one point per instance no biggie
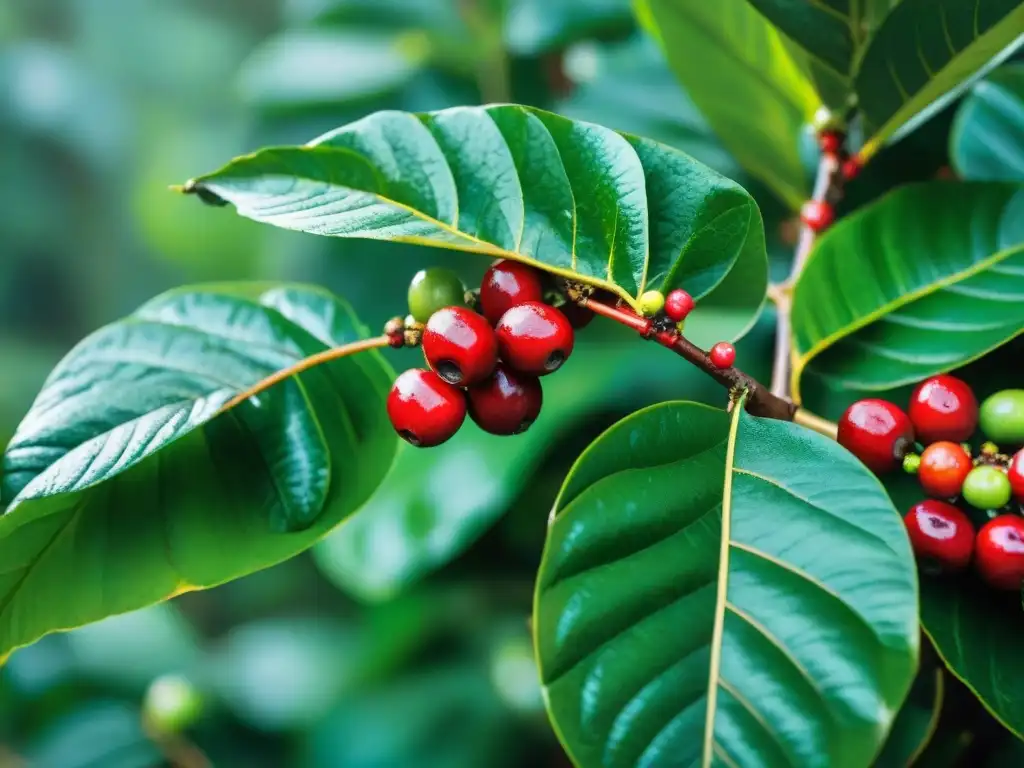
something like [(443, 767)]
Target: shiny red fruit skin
[(678, 304), (1016, 474), (460, 346), (722, 355), (876, 432), (851, 169), (534, 338), (999, 552), (424, 409), (507, 403), (940, 533), (943, 408), (944, 466), (817, 215), (830, 142), (506, 284)]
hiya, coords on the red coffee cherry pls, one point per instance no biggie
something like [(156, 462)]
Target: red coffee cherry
[(1016, 474), (830, 142), (943, 408), (424, 409), (851, 168), (817, 215), (507, 403), (460, 346), (506, 284), (722, 355), (999, 552), (876, 432), (944, 466), (678, 304), (534, 338), (940, 534)]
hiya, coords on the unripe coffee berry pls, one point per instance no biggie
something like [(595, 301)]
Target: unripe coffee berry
[(987, 487), (943, 408), (433, 289), (999, 552), (424, 409), (1015, 474), (876, 432), (651, 302), (460, 346), (534, 338), (678, 304), (722, 355), (940, 534), (1002, 417), (172, 704), (817, 215), (944, 467), (506, 284), (507, 403)]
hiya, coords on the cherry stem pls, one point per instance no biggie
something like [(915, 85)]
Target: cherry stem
[(334, 353), (824, 184), (177, 750), (760, 401)]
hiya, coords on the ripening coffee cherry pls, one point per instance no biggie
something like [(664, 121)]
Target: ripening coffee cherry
[(172, 704), (534, 338), (940, 534), (876, 432), (817, 215), (506, 284), (460, 346), (944, 467), (722, 355), (943, 408), (1002, 417), (678, 304), (506, 403), (1015, 474), (424, 409), (433, 289), (987, 487), (831, 142), (999, 552), (651, 302)]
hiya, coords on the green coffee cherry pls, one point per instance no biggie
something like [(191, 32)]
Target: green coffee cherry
[(433, 289), (911, 463), (172, 704), (1002, 417), (987, 487), (651, 303)]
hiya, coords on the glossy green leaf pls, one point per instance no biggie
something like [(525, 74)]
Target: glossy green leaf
[(751, 86), (925, 280), (705, 599), (925, 53), (572, 198), (533, 27), (100, 733), (916, 722), (987, 140), (827, 29), (128, 483)]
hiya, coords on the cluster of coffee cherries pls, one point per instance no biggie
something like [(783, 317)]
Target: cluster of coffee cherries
[(818, 215), (942, 416), (486, 363)]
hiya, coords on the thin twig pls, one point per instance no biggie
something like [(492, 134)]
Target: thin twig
[(828, 168), (305, 364), (493, 72), (177, 750)]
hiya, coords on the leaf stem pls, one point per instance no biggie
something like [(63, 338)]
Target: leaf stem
[(760, 401), (782, 295), (177, 750), (334, 353)]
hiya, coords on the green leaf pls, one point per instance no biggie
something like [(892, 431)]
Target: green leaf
[(826, 29), (987, 140), (131, 483), (924, 54), (100, 733), (916, 722), (927, 279), (581, 201), (705, 599), (533, 27), (750, 85)]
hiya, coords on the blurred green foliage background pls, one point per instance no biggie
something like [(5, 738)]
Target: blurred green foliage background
[(402, 639)]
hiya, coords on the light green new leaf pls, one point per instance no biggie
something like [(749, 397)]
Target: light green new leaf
[(705, 598), (751, 86), (987, 139), (575, 199), (926, 279), (926, 53), (128, 482)]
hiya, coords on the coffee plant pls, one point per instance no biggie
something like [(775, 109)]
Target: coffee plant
[(778, 581)]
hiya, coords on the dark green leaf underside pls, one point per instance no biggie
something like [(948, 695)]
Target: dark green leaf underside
[(805, 657), (130, 484)]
